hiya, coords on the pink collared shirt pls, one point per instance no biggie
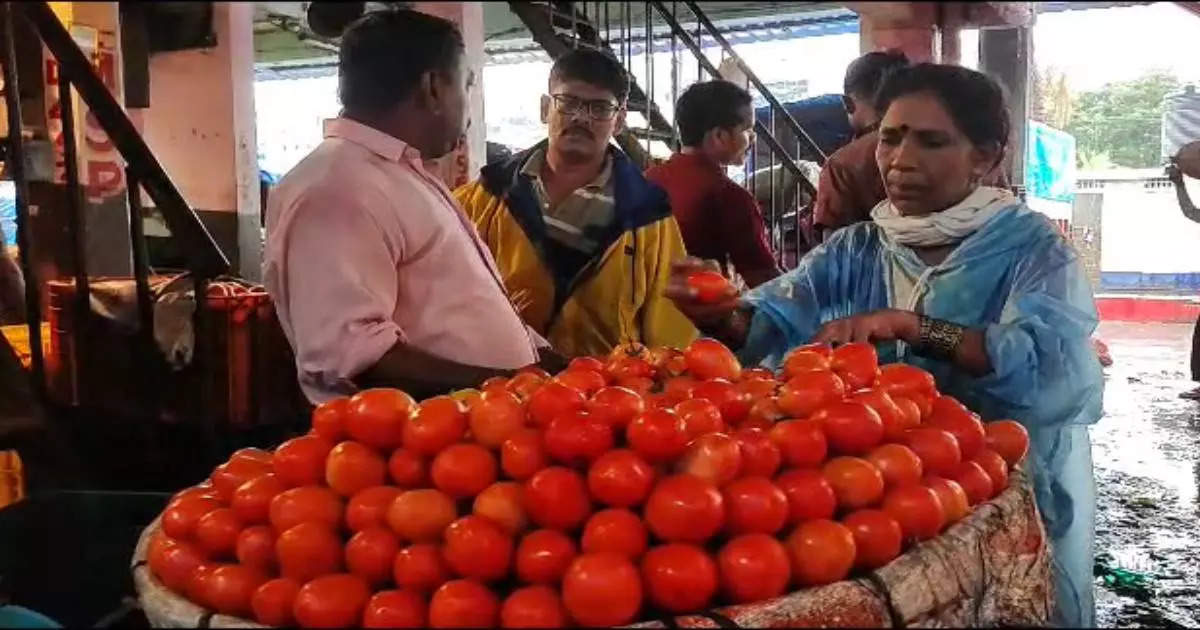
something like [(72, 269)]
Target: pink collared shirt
[(366, 248)]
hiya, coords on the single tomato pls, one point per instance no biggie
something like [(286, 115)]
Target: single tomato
[(369, 506), (602, 589), (616, 530), (709, 359), (938, 449), (898, 464), (306, 504), (658, 435), (760, 456), (576, 438), (501, 503), (227, 477), (329, 419), (420, 568), (179, 520), (877, 537), (993, 464), (463, 470), (377, 417), (753, 568), (229, 589), (809, 495), (301, 461), (709, 286), (679, 578), (464, 604), (713, 457), (798, 361), (684, 508), (1008, 438), (821, 552), (371, 554), (256, 548), (699, 416), (434, 425), (733, 403), (620, 478), (804, 394), (895, 420), (352, 466), (557, 498), (331, 601), (917, 509), (533, 607), (553, 400), (899, 379), (852, 428), (396, 609), (543, 556), (952, 497), (495, 417), (951, 415), (616, 406), (974, 481), (754, 505), (857, 363), (408, 469), (272, 602), (252, 500), (856, 482), (421, 515), (585, 381), (478, 549), (217, 533), (801, 442), (523, 454), (308, 551)]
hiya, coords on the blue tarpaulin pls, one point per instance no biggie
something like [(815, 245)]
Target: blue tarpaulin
[(1049, 163)]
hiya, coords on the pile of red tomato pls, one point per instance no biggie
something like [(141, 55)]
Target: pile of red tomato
[(651, 482)]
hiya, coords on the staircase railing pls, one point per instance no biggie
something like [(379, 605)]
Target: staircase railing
[(781, 185)]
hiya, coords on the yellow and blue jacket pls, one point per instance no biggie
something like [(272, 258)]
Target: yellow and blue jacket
[(617, 297)]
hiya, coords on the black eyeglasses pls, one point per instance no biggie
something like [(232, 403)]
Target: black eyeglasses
[(597, 110)]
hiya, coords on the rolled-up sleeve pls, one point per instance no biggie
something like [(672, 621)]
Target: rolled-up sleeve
[(341, 274)]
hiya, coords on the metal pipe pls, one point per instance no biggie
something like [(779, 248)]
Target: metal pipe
[(141, 265), (76, 221), (16, 165)]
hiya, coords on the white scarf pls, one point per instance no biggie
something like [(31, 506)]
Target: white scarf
[(947, 227)]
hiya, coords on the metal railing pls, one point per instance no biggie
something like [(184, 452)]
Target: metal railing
[(780, 184)]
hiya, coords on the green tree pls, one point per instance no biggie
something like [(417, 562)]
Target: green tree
[(1122, 120)]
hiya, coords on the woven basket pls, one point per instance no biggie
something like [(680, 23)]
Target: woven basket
[(990, 569)]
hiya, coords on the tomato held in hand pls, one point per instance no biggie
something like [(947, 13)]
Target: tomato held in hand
[(898, 464), (396, 609), (710, 286), (877, 537), (556, 498), (377, 417), (684, 508), (753, 568), (918, 510), (852, 428), (420, 568), (809, 495), (371, 555), (602, 589), (616, 530), (821, 552), (477, 548), (754, 505), (713, 457), (331, 601), (856, 482), (620, 478), (679, 578), (543, 556), (1009, 439), (464, 604), (938, 449), (421, 515), (801, 442), (709, 359)]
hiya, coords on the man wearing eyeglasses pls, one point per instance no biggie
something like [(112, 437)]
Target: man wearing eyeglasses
[(584, 243)]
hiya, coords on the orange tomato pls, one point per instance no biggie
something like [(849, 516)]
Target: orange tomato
[(856, 483), (543, 556), (553, 400), (501, 503), (801, 442), (799, 361), (306, 504), (753, 568), (217, 533), (616, 530), (616, 406), (699, 416), (898, 464), (805, 393), (683, 508), (407, 469), (463, 604), (352, 466), (256, 548), (368, 507), (308, 551), (754, 505), (710, 286), (331, 601), (877, 538), (272, 602), (252, 500), (463, 470), (910, 417), (713, 457), (576, 439), (523, 454), (993, 464), (371, 554), (329, 419), (396, 609), (658, 435), (477, 548), (809, 495), (709, 359), (377, 417), (974, 481), (679, 578), (421, 515), (421, 568), (857, 364), (938, 449), (952, 497), (821, 552), (602, 589), (434, 425), (917, 509), (1009, 439), (852, 428), (585, 381), (760, 456), (229, 588), (951, 415), (495, 417), (556, 498), (533, 607), (620, 478), (301, 461)]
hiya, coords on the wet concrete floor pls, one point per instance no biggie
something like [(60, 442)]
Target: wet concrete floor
[(1146, 450)]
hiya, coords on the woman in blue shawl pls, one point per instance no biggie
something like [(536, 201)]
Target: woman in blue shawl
[(962, 280)]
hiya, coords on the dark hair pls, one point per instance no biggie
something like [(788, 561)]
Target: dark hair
[(384, 54), (974, 100), (865, 74), (594, 67), (709, 105)]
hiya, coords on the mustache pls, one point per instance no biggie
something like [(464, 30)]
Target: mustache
[(577, 129)]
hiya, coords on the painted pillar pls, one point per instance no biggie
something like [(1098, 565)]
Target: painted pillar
[(200, 125), (909, 27), (1006, 54), (463, 164)]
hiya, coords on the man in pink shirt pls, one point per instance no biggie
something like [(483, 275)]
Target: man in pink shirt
[(378, 278)]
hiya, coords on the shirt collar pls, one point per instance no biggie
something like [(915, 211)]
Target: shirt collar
[(386, 146), (698, 159), (537, 160)]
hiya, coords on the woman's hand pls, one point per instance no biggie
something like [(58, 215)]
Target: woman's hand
[(706, 315), (882, 325)]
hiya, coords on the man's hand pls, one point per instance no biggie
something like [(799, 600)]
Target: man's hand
[(883, 325), (705, 315)]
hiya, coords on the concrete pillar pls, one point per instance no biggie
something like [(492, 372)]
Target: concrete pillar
[(200, 125), (909, 27), (1006, 54), (463, 165)]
